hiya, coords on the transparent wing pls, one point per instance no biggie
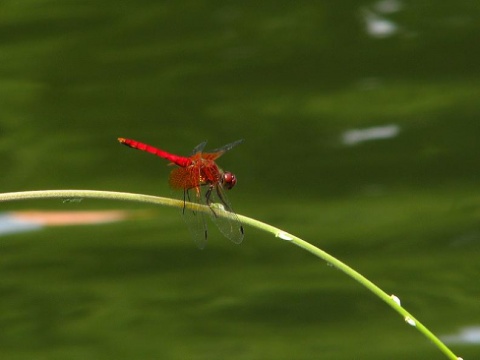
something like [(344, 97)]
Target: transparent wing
[(199, 148), (195, 220), (222, 214), (216, 153), (227, 147)]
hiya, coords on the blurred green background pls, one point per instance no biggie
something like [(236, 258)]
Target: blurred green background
[(361, 127)]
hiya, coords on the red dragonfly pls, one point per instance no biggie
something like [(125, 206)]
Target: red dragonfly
[(200, 175)]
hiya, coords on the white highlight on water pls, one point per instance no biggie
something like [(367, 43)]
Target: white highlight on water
[(355, 136)]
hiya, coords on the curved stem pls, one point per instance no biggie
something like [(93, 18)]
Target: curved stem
[(392, 300), (68, 195)]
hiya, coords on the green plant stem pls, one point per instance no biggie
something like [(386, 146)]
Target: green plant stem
[(80, 194)]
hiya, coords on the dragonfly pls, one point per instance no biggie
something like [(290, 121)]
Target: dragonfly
[(203, 182)]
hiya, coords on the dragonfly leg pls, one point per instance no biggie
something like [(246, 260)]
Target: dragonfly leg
[(208, 199), (186, 197), (208, 194), (223, 200)]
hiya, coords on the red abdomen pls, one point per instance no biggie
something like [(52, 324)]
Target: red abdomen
[(177, 160)]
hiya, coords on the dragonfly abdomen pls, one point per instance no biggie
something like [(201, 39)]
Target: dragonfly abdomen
[(177, 160)]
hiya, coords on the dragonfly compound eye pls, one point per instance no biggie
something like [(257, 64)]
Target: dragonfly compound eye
[(229, 180)]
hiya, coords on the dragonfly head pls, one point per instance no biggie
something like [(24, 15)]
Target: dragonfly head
[(228, 180)]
